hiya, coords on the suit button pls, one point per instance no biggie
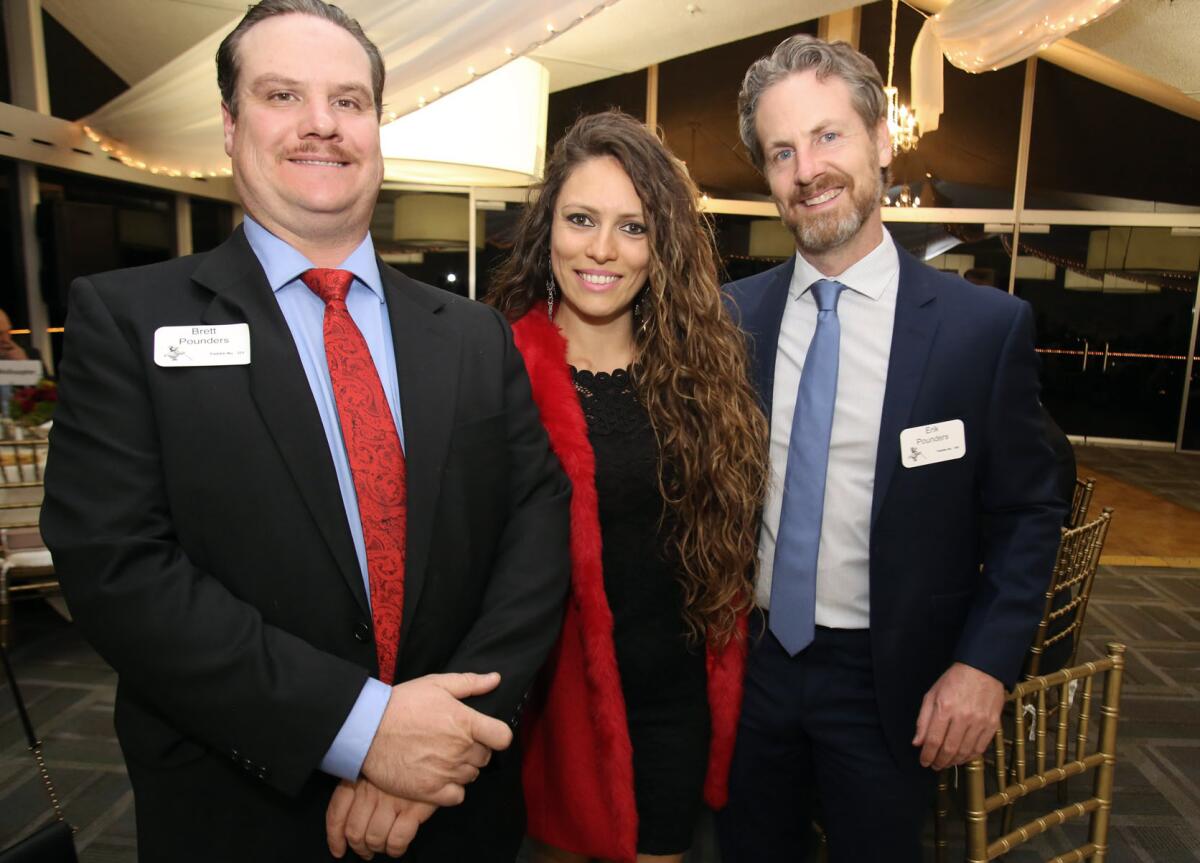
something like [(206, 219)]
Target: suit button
[(262, 773), (236, 756), (362, 632), (247, 765)]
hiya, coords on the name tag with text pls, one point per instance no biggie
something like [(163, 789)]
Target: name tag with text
[(932, 443), (201, 345)]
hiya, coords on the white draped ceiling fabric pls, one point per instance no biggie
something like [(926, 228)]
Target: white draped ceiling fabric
[(985, 35), (170, 122), (492, 133)]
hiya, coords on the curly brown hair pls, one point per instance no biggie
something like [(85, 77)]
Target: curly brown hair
[(689, 371)]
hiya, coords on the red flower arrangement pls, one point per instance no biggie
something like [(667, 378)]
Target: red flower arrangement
[(32, 406)]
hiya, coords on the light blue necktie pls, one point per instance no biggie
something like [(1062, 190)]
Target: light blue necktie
[(794, 578)]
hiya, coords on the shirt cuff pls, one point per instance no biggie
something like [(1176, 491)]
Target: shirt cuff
[(349, 749)]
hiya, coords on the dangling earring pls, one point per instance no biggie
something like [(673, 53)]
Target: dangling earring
[(550, 291), (637, 313)]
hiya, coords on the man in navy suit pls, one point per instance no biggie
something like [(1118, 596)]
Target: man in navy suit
[(927, 490)]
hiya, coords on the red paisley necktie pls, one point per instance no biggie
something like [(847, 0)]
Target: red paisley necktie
[(376, 459)]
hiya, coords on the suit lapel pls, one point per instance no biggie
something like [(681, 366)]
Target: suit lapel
[(427, 368), (761, 318), (912, 337), (280, 391)]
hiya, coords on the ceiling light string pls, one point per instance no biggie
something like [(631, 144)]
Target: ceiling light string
[(1162, 279), (117, 150), (553, 31)]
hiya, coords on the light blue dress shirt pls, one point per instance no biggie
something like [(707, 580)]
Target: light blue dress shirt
[(304, 312)]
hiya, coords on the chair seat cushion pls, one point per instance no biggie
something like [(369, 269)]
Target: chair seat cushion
[(30, 558)]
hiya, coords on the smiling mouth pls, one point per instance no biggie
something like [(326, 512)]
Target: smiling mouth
[(827, 195), (597, 280), (319, 163)]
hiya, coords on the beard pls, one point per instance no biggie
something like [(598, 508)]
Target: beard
[(821, 232)]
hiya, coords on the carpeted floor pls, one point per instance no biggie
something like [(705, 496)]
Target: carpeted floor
[(1154, 610)]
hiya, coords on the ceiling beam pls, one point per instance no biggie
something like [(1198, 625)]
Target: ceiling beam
[(40, 139), (1091, 64)]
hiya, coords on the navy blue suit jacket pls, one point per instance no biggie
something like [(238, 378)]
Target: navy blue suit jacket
[(961, 551)]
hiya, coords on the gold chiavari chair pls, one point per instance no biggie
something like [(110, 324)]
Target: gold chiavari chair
[(1080, 501), (1056, 638), (25, 565), (1050, 761), (1068, 595)]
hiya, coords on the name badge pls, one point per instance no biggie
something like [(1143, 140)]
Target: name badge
[(21, 373), (216, 345), (929, 444)]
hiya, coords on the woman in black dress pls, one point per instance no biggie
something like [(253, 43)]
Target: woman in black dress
[(640, 378)]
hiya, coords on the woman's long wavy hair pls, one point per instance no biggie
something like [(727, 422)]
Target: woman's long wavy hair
[(689, 371)]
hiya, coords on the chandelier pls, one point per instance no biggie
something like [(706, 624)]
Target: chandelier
[(902, 122), (904, 198)]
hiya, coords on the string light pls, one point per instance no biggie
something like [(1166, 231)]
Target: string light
[(1047, 30), (1162, 279), (511, 53), (114, 150)]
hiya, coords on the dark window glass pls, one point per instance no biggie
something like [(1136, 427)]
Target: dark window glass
[(1093, 146), (87, 225), (625, 92), (12, 288), (750, 244), (500, 225), (697, 111), (1114, 316), (212, 223), (5, 82), (79, 81), (968, 250), (445, 270), (971, 159), (1191, 426), (424, 236)]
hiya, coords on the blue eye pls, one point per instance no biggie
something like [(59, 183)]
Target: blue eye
[(781, 155), (829, 137)]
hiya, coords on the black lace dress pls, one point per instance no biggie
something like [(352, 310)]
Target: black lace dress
[(663, 677)]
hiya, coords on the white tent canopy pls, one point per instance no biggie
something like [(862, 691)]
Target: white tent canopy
[(170, 119)]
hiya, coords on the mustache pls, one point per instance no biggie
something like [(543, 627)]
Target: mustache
[(325, 152), (834, 180)]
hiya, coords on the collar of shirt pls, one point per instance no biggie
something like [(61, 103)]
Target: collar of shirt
[(283, 264), (869, 275)]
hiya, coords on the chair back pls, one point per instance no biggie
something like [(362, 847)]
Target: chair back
[(1080, 501), (22, 469), (1066, 604), (1017, 774)]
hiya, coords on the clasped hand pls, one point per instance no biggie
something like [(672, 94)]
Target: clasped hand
[(429, 746)]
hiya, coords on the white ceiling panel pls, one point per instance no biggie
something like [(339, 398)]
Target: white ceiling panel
[(136, 37), (1159, 38)]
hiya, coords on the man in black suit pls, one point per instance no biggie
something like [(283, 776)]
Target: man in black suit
[(216, 533), (912, 521)]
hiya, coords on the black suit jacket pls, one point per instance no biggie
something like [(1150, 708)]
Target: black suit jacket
[(960, 551), (198, 531)]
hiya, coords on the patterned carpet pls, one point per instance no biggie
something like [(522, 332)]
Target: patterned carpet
[(1155, 611)]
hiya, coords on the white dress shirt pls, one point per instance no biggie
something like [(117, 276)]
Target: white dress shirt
[(866, 312)]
